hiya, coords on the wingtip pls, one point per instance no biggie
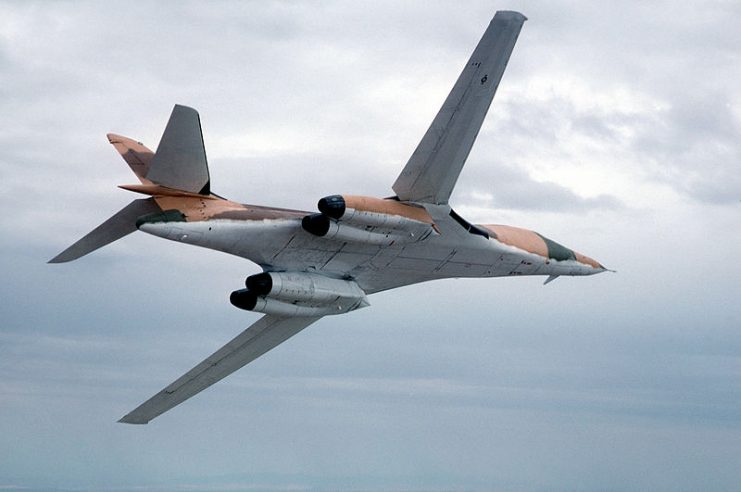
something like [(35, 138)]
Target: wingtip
[(183, 107), (511, 14), (126, 419), (65, 256)]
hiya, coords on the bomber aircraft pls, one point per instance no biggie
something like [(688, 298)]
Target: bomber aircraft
[(325, 263)]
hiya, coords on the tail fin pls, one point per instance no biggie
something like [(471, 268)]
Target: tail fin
[(179, 164), (180, 160), (118, 226)]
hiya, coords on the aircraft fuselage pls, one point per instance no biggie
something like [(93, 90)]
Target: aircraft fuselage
[(275, 239)]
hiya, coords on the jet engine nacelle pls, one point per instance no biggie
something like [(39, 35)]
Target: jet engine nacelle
[(375, 212), (298, 294), (322, 226), (368, 220)]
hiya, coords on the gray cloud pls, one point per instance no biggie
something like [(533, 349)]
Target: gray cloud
[(626, 381), (694, 144), (510, 187)]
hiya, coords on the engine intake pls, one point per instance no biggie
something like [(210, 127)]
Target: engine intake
[(243, 299), (298, 294), (368, 220), (332, 206), (317, 224), (260, 284)]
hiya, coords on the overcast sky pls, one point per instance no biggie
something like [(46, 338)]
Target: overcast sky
[(616, 131)]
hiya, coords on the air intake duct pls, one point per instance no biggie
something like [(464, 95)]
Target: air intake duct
[(317, 224), (332, 206), (298, 294), (243, 299), (260, 284)]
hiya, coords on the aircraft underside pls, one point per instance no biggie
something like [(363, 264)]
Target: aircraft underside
[(283, 245)]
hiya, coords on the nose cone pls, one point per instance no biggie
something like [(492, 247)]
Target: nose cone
[(597, 266), (538, 244)]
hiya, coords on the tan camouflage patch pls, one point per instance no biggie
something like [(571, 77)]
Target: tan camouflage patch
[(391, 207), (159, 190), (198, 207), (587, 260), (519, 238), (136, 155)]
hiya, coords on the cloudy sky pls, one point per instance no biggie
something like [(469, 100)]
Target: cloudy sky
[(616, 131)]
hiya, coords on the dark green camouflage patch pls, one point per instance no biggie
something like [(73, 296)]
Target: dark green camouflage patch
[(557, 251)]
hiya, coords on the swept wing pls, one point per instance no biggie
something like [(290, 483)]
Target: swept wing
[(267, 333), (433, 168), (116, 227)]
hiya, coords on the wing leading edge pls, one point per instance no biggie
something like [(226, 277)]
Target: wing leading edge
[(265, 334), (433, 168)]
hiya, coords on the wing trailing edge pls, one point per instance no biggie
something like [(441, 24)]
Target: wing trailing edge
[(265, 334)]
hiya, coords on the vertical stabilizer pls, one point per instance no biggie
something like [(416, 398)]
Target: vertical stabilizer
[(180, 160)]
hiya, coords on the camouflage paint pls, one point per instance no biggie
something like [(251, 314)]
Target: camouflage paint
[(535, 243), (387, 206)]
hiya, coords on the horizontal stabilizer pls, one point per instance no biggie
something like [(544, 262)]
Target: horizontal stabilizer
[(265, 334), (433, 169), (118, 226), (180, 161), (136, 155)]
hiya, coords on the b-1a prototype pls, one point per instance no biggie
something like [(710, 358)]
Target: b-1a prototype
[(329, 262)]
